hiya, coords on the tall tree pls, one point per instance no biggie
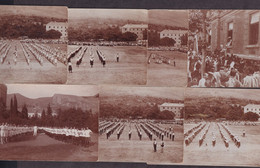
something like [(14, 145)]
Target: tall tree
[(49, 111), (11, 108), (15, 107), (25, 112)]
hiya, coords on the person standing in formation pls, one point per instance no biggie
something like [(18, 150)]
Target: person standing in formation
[(130, 134), (91, 61), (35, 129), (117, 57), (154, 145), (70, 67), (104, 61)]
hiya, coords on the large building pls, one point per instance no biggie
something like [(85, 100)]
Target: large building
[(3, 95), (237, 30), (138, 29), (58, 26), (173, 107), (174, 34), (255, 108)]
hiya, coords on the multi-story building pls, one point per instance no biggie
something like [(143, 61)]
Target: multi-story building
[(3, 95), (174, 34), (237, 30), (173, 107), (58, 26), (255, 108), (138, 29)]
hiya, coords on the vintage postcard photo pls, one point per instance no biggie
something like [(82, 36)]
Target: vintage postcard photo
[(224, 48), (33, 44), (222, 127), (107, 46), (167, 48), (141, 124), (49, 122)]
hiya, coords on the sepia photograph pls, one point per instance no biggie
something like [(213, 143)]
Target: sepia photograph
[(49, 122), (33, 44), (141, 124), (107, 46), (222, 127), (224, 48), (167, 48)]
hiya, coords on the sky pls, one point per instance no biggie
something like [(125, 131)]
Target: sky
[(247, 94), (160, 92), (169, 17), (126, 14), (45, 11), (37, 91)]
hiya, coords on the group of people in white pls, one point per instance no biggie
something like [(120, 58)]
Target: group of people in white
[(9, 132), (159, 59), (31, 49), (76, 136)]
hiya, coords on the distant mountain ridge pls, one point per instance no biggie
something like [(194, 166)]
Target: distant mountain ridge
[(57, 101)]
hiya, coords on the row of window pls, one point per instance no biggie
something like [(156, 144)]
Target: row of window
[(135, 29), (172, 34), (61, 27), (253, 109), (170, 108), (253, 30)]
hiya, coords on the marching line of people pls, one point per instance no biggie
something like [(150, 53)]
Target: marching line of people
[(70, 56), (10, 132), (192, 129), (111, 130), (80, 57), (120, 130), (234, 137), (203, 136), (104, 126), (101, 57), (192, 135), (4, 50), (139, 131), (160, 133), (223, 137), (75, 136)]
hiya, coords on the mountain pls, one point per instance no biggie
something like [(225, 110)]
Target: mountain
[(57, 101)]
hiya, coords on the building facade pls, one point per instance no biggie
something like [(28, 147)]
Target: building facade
[(137, 29), (255, 108), (59, 26), (173, 107), (237, 30), (3, 95), (174, 34)]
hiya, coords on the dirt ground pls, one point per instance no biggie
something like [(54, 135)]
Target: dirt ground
[(165, 74), (21, 72), (45, 148), (246, 155), (130, 70), (136, 150)]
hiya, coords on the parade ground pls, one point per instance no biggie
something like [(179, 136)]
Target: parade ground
[(166, 74), (22, 72), (207, 154), (131, 68), (141, 150), (44, 148)]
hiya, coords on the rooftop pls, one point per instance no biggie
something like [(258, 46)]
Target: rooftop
[(58, 23), (166, 31), (135, 26), (173, 104), (253, 105)]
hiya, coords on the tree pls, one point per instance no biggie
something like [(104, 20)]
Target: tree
[(15, 107), (129, 36), (166, 41), (25, 112), (153, 38), (184, 39), (52, 34), (11, 107), (250, 116), (49, 111), (43, 115)]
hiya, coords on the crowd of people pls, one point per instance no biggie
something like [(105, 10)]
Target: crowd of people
[(4, 50), (81, 137), (234, 137), (159, 59), (195, 131), (222, 69), (10, 132)]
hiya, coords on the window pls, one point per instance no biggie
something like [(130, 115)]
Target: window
[(230, 34), (254, 28)]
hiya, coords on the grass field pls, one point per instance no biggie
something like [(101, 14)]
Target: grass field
[(130, 70), (166, 74), (45, 148), (21, 72), (136, 150), (246, 155)]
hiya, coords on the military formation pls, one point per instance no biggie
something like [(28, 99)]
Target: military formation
[(31, 49), (10, 132), (81, 137), (160, 59)]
